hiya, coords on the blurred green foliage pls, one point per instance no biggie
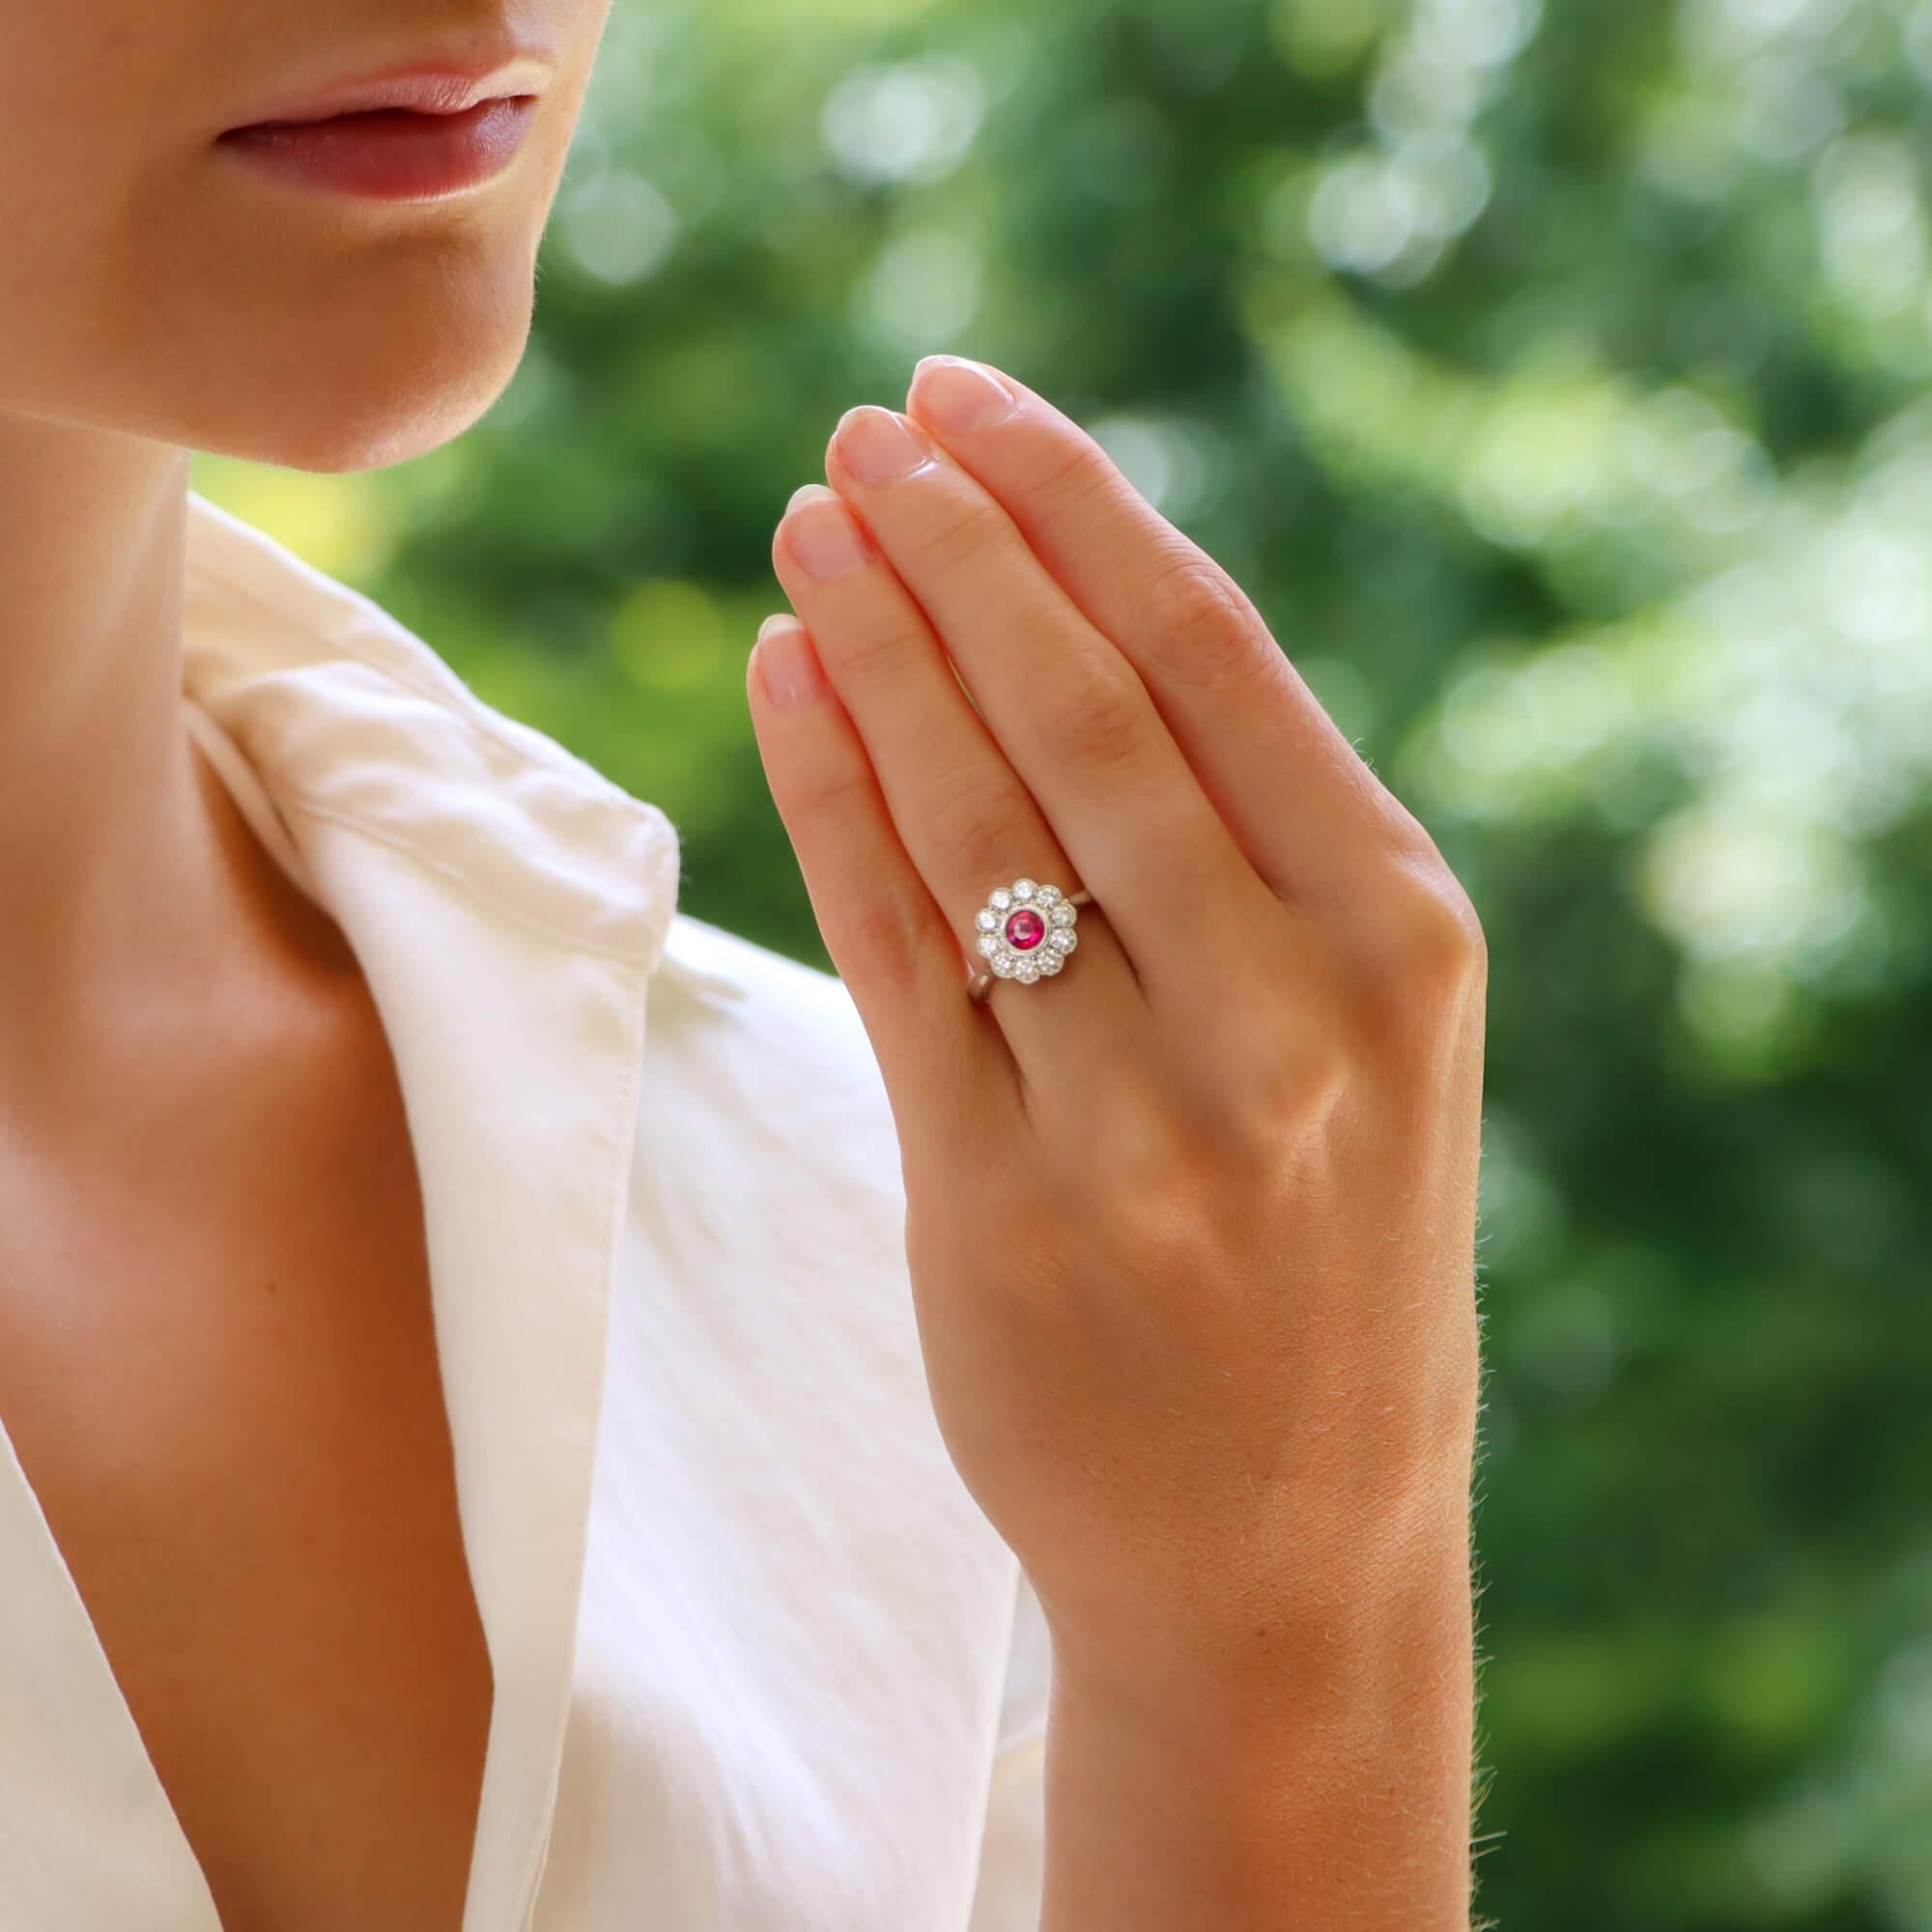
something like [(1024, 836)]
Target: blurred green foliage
[(1555, 380)]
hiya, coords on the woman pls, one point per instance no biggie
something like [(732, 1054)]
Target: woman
[(964, 1444)]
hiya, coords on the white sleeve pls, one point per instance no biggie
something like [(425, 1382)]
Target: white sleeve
[(1013, 1852)]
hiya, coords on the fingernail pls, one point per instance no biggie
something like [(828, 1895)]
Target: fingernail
[(808, 492), (875, 446), (825, 539), (787, 666), (960, 395)]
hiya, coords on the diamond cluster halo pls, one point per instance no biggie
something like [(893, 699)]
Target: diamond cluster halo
[(1026, 930)]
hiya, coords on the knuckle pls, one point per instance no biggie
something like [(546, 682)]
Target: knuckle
[(1434, 938), (983, 829), (890, 931), (1207, 629), (832, 792), (1286, 1089), (1074, 469), (962, 532), (861, 656), (1094, 716)]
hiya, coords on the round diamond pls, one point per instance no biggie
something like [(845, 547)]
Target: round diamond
[(987, 921), (1024, 889), (1066, 939), (1051, 961), (1046, 896), (1063, 915), (1000, 898), (1028, 973), (1003, 965), (989, 944)]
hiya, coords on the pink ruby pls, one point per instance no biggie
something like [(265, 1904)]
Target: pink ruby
[(1024, 929)]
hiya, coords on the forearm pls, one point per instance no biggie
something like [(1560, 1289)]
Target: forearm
[(1330, 1792)]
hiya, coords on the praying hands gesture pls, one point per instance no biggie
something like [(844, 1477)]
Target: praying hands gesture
[(1190, 1214)]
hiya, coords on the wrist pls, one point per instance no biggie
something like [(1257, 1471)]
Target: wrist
[(1360, 1587), (1323, 1784), (1382, 1646)]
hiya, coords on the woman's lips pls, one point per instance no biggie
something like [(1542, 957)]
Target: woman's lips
[(391, 154)]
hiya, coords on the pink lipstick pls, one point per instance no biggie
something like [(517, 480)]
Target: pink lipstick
[(419, 135)]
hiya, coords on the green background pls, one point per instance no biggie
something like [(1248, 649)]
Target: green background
[(1555, 381)]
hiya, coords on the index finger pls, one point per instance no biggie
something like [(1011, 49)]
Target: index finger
[(1236, 706)]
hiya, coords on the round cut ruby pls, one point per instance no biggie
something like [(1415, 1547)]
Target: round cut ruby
[(1024, 929)]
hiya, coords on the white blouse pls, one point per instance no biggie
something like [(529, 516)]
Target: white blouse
[(761, 1665)]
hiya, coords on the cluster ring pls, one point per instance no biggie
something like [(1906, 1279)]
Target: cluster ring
[(1025, 932)]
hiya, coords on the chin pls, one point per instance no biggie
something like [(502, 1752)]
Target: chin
[(370, 365), (397, 413), (370, 400)]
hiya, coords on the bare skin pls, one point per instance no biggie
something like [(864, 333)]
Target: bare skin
[(219, 1374), (221, 1379), (1216, 1385)]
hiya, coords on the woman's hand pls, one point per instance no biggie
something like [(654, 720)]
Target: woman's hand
[(1190, 1225)]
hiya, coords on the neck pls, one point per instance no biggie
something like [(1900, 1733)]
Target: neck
[(112, 860)]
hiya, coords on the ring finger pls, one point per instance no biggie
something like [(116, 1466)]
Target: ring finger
[(963, 814)]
